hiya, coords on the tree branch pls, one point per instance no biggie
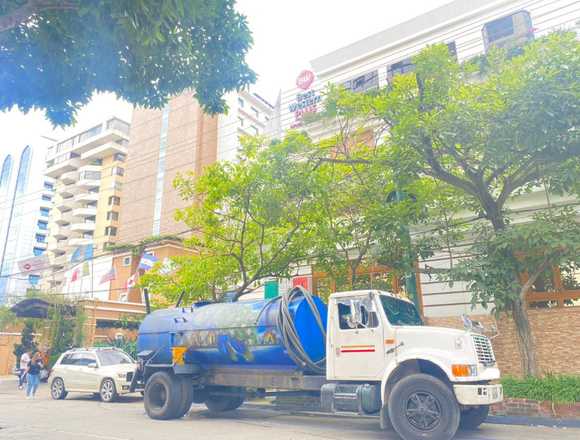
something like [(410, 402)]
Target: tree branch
[(25, 12)]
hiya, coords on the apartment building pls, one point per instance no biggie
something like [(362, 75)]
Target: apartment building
[(25, 205), (88, 172), (177, 139), (469, 28)]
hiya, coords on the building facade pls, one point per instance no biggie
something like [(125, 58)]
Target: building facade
[(26, 198), (88, 172), (468, 28), (178, 139)]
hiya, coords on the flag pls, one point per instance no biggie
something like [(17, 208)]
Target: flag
[(34, 264), (86, 269), (75, 275), (88, 252), (76, 255), (82, 252), (132, 281), (109, 276), (147, 261)]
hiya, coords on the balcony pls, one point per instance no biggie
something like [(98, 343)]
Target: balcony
[(66, 164), (84, 212), (69, 177), (61, 218), (66, 191), (105, 150), (87, 197), (61, 260), (80, 241), (83, 227), (41, 245), (60, 233)]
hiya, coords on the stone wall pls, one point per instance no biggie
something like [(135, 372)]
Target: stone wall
[(555, 332)]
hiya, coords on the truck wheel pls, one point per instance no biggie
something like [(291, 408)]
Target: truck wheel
[(217, 403), (163, 396), (421, 407), (186, 395), (473, 416)]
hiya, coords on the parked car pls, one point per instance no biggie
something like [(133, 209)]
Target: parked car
[(104, 371)]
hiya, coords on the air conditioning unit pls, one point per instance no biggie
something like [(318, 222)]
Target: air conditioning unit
[(509, 31)]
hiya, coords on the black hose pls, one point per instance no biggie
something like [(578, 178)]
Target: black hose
[(290, 338)]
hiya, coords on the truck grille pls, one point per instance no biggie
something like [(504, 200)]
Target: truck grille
[(483, 349)]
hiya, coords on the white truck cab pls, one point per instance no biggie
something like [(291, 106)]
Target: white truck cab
[(432, 379)]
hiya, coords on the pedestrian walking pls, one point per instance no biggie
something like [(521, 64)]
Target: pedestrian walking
[(33, 375), (24, 360)]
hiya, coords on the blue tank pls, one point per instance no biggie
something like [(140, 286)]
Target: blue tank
[(244, 333)]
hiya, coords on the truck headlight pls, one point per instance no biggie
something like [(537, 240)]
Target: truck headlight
[(463, 370)]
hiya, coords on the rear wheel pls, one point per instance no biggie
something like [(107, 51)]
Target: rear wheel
[(186, 395), (422, 407), (57, 389), (108, 390), (217, 403), (163, 396), (473, 416)]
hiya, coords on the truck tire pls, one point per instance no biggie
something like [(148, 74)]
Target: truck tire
[(187, 395), (218, 404), (163, 396), (473, 416), (422, 407)]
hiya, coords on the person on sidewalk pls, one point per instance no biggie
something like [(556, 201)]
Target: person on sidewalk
[(24, 360), (33, 375)]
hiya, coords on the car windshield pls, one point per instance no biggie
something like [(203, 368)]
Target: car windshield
[(110, 357), (400, 312)]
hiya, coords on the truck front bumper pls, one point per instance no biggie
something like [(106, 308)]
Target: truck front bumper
[(478, 394)]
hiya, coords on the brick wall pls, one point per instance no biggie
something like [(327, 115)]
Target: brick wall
[(535, 408), (555, 333)]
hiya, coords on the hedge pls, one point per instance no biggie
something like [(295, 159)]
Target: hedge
[(554, 388)]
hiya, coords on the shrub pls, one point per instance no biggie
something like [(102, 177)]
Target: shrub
[(555, 388)]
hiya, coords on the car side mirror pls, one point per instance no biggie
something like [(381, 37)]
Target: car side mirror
[(92, 365)]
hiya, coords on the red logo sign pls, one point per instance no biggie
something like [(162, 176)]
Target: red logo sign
[(305, 79)]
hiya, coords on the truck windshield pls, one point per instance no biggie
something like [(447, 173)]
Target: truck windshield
[(400, 312)]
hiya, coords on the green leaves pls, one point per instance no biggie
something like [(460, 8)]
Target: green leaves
[(144, 51)]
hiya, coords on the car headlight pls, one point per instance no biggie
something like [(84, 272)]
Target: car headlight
[(121, 375)]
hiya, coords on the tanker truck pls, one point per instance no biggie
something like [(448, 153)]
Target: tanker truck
[(366, 352)]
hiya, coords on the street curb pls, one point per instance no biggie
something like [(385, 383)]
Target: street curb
[(494, 420)]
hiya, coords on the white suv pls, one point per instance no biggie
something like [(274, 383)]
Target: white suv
[(104, 371)]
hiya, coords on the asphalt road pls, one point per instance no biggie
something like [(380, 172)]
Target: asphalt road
[(80, 417)]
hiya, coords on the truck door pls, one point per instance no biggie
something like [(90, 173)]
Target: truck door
[(357, 342)]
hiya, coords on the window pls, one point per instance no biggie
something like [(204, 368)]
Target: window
[(256, 113), (46, 198), (363, 83), (254, 130), (119, 157), (110, 357), (241, 102), (114, 200), (500, 28), (41, 238), (406, 65), (42, 225), (49, 186), (357, 313), (44, 212), (241, 120), (83, 359), (117, 171), (90, 175), (23, 169), (6, 170), (67, 360), (34, 279), (112, 215), (110, 231), (37, 251), (88, 234), (97, 162), (127, 261)]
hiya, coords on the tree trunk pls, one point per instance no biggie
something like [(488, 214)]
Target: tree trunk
[(525, 339)]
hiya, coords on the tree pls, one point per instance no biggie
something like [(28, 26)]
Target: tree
[(55, 53), (253, 214), (488, 129)]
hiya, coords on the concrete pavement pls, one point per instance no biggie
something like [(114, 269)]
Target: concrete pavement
[(80, 417)]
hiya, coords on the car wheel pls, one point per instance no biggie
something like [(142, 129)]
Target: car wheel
[(108, 391), (57, 389), (163, 396), (422, 407), (472, 417)]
